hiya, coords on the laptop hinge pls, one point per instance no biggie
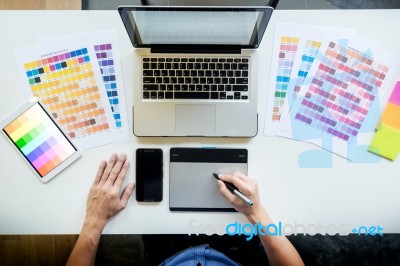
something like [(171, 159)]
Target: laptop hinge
[(194, 48)]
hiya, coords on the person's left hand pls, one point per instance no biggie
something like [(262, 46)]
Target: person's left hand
[(104, 200)]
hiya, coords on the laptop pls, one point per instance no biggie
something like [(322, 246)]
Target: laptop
[(196, 71)]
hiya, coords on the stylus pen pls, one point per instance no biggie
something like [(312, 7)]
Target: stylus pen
[(235, 191)]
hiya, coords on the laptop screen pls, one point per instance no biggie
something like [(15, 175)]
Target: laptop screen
[(147, 26)]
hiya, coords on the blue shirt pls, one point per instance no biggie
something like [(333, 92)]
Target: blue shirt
[(199, 256)]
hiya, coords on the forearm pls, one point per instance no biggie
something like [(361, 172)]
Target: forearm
[(84, 252), (278, 248)]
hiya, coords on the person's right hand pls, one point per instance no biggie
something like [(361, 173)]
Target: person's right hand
[(248, 187)]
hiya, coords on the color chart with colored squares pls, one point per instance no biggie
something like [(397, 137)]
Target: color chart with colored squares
[(386, 142), (104, 54), (290, 41), (39, 140), (336, 97), (65, 83), (288, 48), (66, 78)]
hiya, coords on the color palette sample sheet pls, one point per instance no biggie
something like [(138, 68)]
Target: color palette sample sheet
[(66, 78), (342, 95), (105, 45), (39, 140), (295, 47)]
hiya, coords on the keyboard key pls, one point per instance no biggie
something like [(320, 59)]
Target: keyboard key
[(214, 95), (204, 66), (175, 65), (238, 73), (224, 80), (179, 73), (192, 87), (157, 73), (211, 65), (164, 73), (182, 65), (173, 80), (237, 95), (147, 73), (199, 87), (231, 80), (245, 60), (146, 66), (191, 95), (169, 95), (215, 73), (184, 87), (184, 59), (228, 87), (237, 60), (213, 87), (153, 95), (208, 73), (163, 87), (230, 60), (221, 87), (192, 60), (242, 80), (199, 59), (186, 73), (181, 80), (195, 80), (227, 66), (229, 73), (177, 87), (190, 66), (160, 65), (206, 87), (210, 80), (171, 73), (219, 66), (160, 95), (222, 60), (166, 80), (245, 73), (234, 66), (159, 80), (214, 59), (149, 80), (239, 87), (200, 73), (146, 59), (169, 60), (229, 97), (243, 66), (245, 97), (197, 66), (168, 66), (222, 95), (161, 59), (170, 87), (222, 73), (188, 80), (207, 60), (177, 59), (150, 87), (146, 95), (153, 65), (153, 59), (217, 80)]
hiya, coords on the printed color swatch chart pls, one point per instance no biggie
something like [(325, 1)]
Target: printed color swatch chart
[(104, 56), (334, 101), (39, 140), (65, 83), (287, 53), (66, 78)]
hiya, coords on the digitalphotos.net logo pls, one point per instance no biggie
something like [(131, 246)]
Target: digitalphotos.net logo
[(278, 229)]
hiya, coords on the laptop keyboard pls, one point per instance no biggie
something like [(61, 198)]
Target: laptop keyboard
[(196, 78)]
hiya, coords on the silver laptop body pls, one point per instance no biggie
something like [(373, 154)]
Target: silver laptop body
[(195, 45)]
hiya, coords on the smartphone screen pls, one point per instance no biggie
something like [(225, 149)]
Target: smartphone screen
[(149, 175)]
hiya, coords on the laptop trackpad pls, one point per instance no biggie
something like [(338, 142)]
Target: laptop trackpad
[(195, 119)]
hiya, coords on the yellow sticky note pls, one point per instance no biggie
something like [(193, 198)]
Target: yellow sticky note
[(386, 142)]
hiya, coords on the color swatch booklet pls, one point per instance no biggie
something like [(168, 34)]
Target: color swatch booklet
[(79, 80), (327, 86)]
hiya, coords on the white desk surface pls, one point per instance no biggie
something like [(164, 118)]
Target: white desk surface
[(347, 193)]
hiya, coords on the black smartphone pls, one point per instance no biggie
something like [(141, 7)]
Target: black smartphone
[(149, 175)]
